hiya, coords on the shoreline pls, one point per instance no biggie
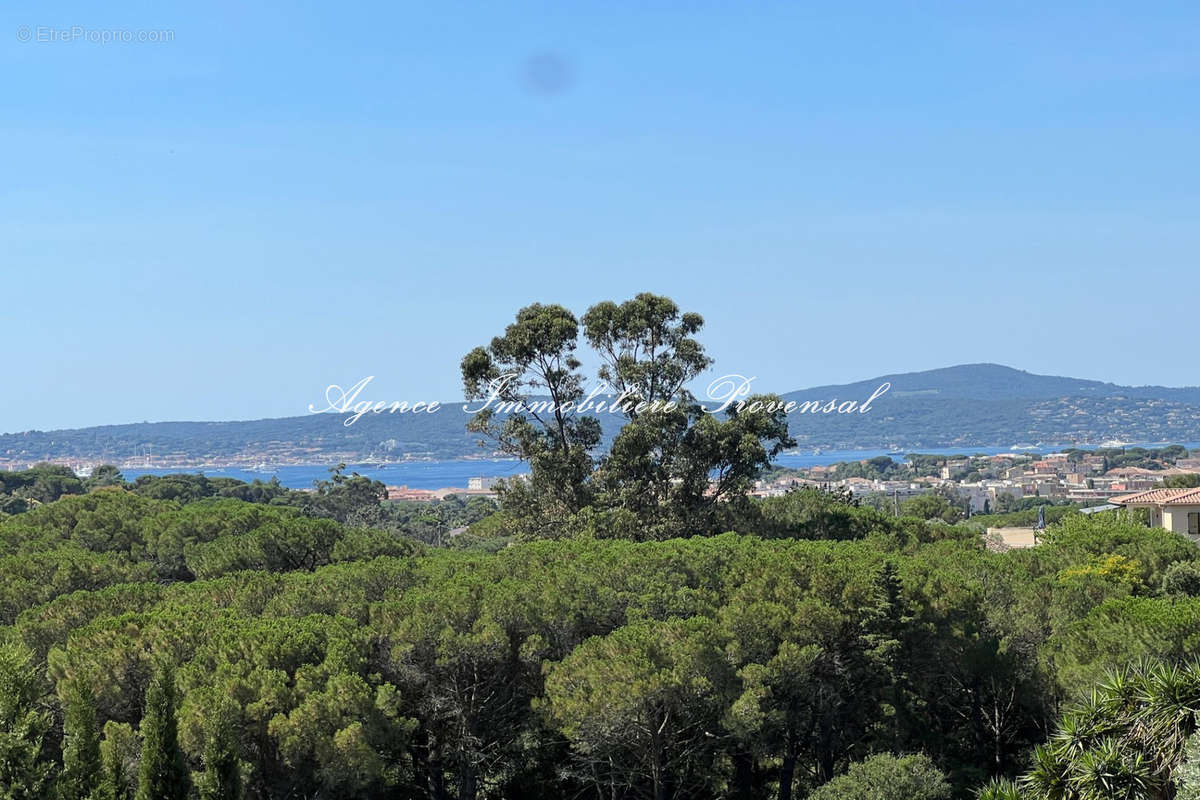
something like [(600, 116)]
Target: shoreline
[(439, 474)]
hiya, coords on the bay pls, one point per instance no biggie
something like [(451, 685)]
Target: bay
[(444, 474)]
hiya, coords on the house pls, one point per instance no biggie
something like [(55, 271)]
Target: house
[(1014, 473), (859, 485), (411, 495), (1176, 510), (1136, 472), (998, 490)]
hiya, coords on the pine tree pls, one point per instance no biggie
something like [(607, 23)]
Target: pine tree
[(222, 779), (162, 774), (82, 770), (24, 770), (118, 748)]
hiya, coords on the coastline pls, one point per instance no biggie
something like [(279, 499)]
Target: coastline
[(440, 474)]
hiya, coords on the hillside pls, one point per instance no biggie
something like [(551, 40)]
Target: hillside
[(994, 381), (975, 404), (994, 405)]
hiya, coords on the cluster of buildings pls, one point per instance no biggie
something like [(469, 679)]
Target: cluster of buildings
[(1056, 477), (818, 477), (990, 483), (480, 486)]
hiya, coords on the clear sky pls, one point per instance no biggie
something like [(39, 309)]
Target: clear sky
[(285, 196)]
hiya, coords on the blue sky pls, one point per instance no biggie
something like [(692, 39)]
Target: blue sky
[(293, 195)]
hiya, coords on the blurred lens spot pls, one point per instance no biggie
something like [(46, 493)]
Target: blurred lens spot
[(547, 73)]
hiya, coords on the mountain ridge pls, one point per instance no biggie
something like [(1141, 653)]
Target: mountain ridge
[(982, 380), (967, 404)]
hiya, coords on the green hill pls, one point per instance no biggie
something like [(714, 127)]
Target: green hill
[(967, 405)]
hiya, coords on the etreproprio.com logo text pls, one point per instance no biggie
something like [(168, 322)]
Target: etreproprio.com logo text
[(46, 34)]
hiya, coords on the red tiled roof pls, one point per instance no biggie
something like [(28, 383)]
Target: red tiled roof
[(1160, 497), (1124, 471)]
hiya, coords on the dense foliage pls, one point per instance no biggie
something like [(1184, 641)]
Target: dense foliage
[(314, 659)]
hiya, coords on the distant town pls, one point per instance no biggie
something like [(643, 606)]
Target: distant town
[(481, 486), (978, 484), (988, 484)]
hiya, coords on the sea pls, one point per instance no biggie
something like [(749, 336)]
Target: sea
[(444, 474)]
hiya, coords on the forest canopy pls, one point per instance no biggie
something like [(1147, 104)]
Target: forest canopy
[(330, 660)]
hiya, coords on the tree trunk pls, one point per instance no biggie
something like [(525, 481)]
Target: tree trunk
[(743, 776), (826, 752), (657, 769), (787, 770), (437, 775), (468, 782), (787, 775)]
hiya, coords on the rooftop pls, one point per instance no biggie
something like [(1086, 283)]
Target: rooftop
[(1160, 497)]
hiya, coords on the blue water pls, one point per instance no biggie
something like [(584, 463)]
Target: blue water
[(414, 474), (443, 474)]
